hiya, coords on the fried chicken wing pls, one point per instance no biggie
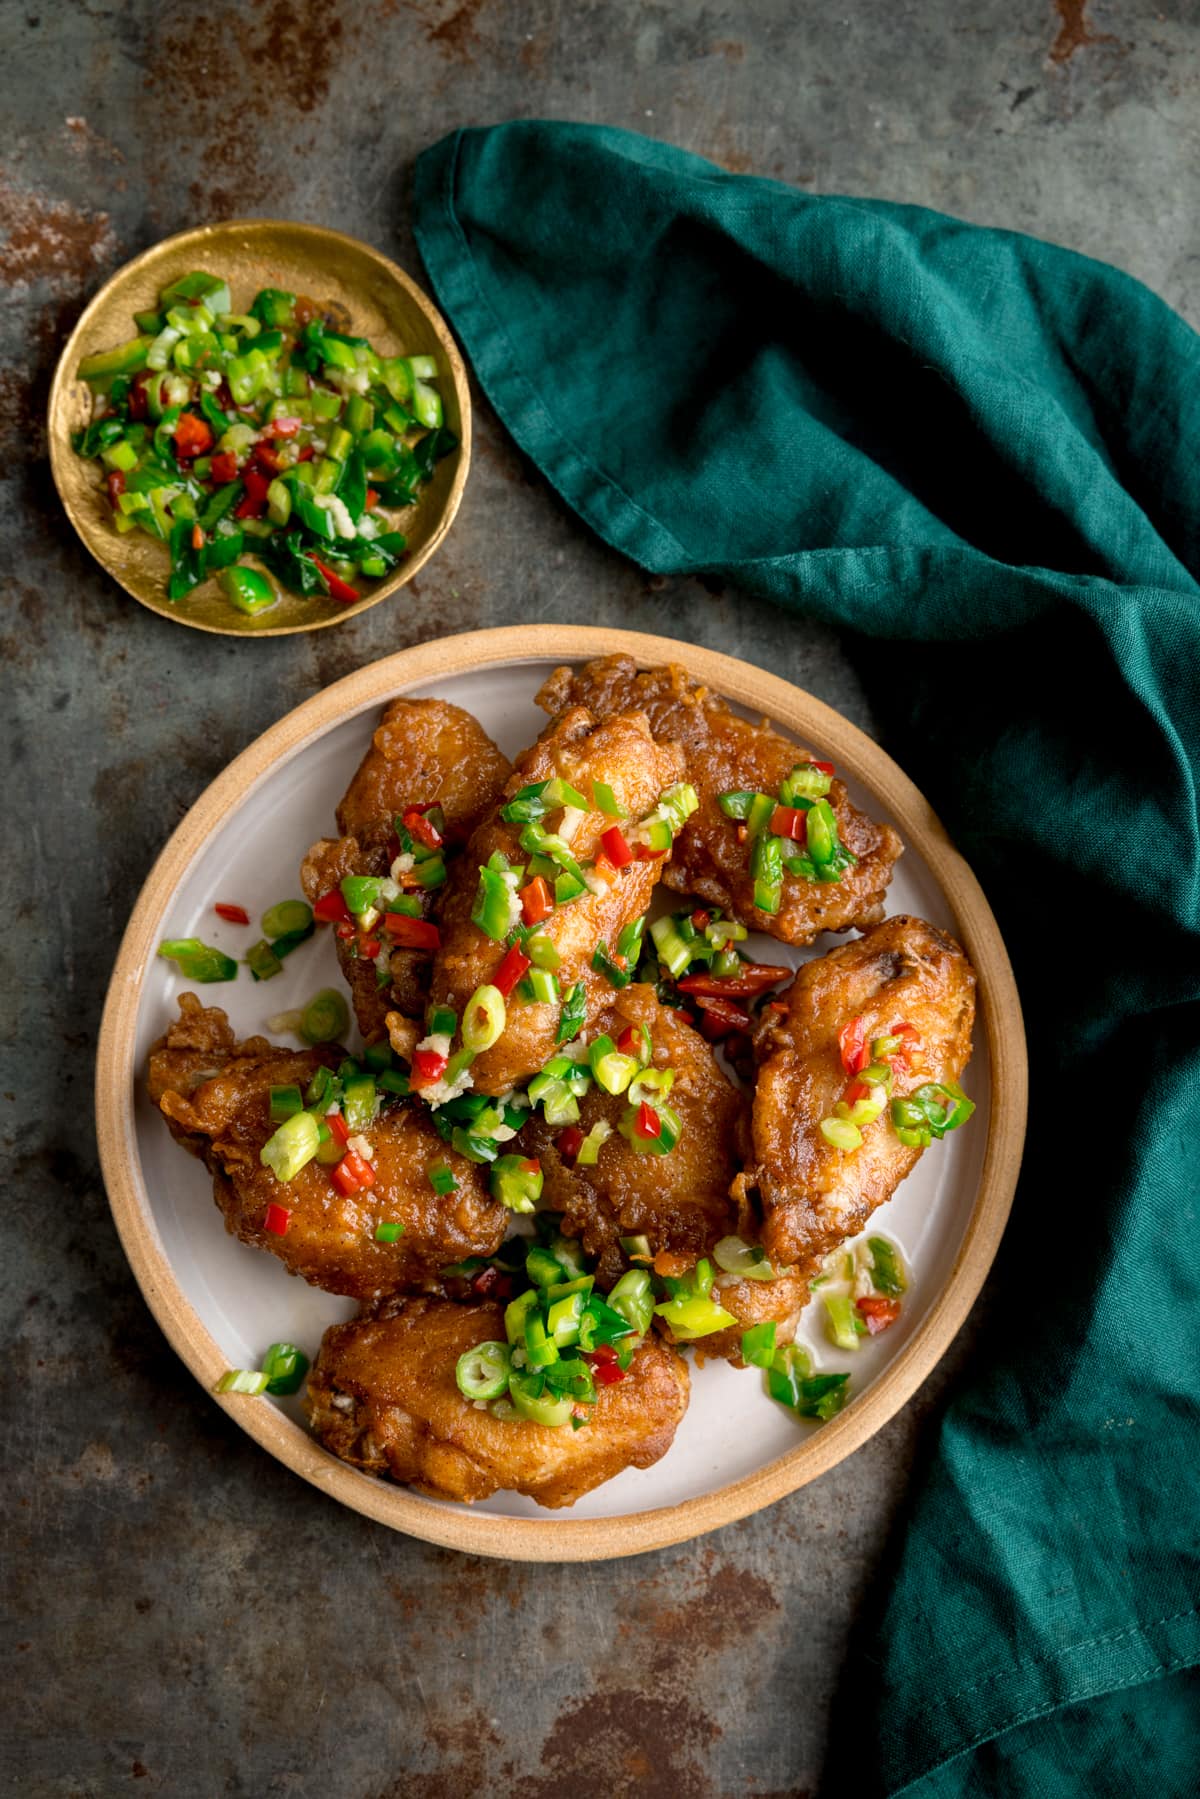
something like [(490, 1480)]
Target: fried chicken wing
[(621, 752), (724, 754), (423, 753), (215, 1095), (382, 1395), (680, 1202), (815, 1195)]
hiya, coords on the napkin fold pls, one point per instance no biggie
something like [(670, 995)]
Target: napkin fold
[(977, 454)]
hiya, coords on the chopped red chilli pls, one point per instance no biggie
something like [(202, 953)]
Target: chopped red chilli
[(277, 1220), (232, 914)]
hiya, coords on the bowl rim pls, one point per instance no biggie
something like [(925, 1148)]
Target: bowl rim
[(565, 1539), (202, 236)]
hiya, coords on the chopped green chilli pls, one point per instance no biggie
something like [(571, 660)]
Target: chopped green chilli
[(270, 432), (285, 1367), (389, 1231)]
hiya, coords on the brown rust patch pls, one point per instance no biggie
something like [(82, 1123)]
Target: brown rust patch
[(454, 35), (251, 72), (47, 242), (1074, 31), (650, 1748)]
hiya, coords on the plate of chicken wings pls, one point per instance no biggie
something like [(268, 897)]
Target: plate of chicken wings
[(621, 1126)]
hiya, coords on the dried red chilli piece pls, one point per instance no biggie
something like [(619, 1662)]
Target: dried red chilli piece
[(422, 828), (569, 1142), (720, 1016), (277, 1220), (754, 979), (345, 930), (878, 1311), (115, 483), (232, 914), (412, 933)]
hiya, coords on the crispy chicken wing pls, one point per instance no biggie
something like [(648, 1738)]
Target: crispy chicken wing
[(383, 1396), (814, 1195), (680, 1202), (725, 753), (216, 1097), (621, 752), (424, 752)]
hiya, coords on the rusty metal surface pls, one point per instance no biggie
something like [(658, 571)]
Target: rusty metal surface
[(184, 1617)]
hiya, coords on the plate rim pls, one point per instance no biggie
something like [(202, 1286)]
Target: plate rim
[(562, 1539), (58, 445)]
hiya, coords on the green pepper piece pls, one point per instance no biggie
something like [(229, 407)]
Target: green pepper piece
[(125, 359), (248, 590)]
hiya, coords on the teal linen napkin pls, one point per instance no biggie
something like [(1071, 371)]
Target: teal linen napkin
[(979, 454)]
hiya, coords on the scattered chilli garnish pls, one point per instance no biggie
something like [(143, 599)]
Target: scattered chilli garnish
[(794, 832), (284, 1368), (861, 1288), (931, 1110)]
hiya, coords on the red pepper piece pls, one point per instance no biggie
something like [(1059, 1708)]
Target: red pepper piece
[(411, 933), (197, 537), (345, 929), (615, 847), (603, 1352), (852, 1041), (531, 1165), (372, 500), (754, 979), (855, 1090), (338, 589), (513, 966), (701, 919), (369, 947), (338, 1127), (138, 404), (115, 483), (569, 1142), (192, 436), (285, 427), (353, 1174), (331, 908), (644, 853), (826, 768), (608, 1373), (720, 1016), (428, 1066), (233, 914), (878, 1310), (224, 468), (306, 454), (789, 821), (537, 901), (277, 1220), (631, 1042), (420, 827), (603, 867), (647, 1125), (253, 502), (267, 459)]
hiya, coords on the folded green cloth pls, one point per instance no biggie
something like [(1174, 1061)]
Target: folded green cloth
[(980, 454)]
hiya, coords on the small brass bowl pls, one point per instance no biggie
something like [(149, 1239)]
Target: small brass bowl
[(375, 299)]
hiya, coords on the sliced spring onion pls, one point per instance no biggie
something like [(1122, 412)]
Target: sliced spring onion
[(535, 1401), (196, 961), (326, 1017), (694, 1315), (612, 1070), (482, 1372), (517, 1182), (285, 1103), (541, 951), (242, 1380), (574, 1013), (841, 1133), (758, 1344), (606, 801), (603, 964), (806, 782), (286, 916), (843, 1323), (360, 1102), (589, 1149), (747, 1260), (633, 1299), (285, 1367), (887, 1268), (543, 988), (790, 1381), (672, 950), (291, 1147), (483, 1019), (285, 1023), (262, 961)]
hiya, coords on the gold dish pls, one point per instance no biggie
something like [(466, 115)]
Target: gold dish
[(378, 301)]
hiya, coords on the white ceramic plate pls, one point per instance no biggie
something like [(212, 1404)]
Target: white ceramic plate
[(218, 1297)]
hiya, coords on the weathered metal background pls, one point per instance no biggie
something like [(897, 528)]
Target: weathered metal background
[(185, 1617)]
